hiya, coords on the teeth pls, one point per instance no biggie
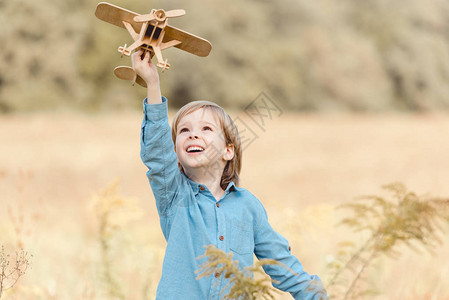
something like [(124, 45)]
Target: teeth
[(194, 148)]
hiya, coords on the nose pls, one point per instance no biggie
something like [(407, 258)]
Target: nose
[(193, 137)]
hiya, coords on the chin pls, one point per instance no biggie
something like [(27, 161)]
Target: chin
[(191, 165)]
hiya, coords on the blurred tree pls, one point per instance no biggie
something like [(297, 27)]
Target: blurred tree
[(40, 49), (413, 45), (311, 55)]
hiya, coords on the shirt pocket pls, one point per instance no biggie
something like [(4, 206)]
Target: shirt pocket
[(242, 238)]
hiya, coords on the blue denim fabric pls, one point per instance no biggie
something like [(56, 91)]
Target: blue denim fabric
[(191, 219)]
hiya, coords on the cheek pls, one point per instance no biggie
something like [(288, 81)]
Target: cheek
[(219, 142), (178, 144)]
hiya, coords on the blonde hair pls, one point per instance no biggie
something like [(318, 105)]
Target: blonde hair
[(230, 134)]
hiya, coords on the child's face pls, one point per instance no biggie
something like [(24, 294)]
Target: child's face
[(200, 143)]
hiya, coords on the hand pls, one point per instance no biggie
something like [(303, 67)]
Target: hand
[(148, 71), (145, 67)]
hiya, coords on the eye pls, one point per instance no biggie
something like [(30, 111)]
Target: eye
[(207, 128), (183, 130)]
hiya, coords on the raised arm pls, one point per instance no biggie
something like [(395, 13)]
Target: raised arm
[(270, 244), (157, 148), (148, 71)]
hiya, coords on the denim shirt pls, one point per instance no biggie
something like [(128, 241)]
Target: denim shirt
[(191, 218)]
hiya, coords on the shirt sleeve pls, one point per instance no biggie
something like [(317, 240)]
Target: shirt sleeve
[(158, 154), (270, 244)]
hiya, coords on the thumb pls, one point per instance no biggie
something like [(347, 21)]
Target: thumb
[(135, 57)]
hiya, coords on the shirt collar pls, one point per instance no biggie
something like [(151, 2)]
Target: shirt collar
[(231, 187), (196, 186)]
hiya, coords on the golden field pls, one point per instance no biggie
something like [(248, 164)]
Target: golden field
[(52, 166)]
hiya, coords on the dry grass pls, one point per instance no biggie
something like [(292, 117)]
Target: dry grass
[(241, 283), (301, 166)]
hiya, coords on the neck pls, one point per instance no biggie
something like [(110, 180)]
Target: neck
[(209, 179)]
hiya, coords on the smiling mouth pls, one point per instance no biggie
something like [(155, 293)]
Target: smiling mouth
[(194, 149)]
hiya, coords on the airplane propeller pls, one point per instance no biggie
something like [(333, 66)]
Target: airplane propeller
[(160, 15), (175, 13)]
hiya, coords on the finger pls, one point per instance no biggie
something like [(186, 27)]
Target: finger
[(147, 56), (140, 54), (134, 57), (135, 53)]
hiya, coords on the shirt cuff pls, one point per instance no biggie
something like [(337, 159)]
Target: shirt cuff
[(155, 112)]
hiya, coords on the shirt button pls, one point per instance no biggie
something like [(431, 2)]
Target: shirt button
[(221, 237), (217, 275), (201, 188), (217, 204)]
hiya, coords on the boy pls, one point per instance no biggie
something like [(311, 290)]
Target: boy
[(194, 175)]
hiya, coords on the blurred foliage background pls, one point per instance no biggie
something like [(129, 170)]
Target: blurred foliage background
[(321, 55)]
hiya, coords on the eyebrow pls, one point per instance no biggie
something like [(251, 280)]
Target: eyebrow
[(183, 124), (213, 125), (186, 124)]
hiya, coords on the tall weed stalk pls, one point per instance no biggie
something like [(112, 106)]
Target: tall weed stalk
[(241, 283), (113, 213), (12, 269), (403, 218)]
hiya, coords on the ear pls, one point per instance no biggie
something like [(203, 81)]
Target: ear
[(229, 152)]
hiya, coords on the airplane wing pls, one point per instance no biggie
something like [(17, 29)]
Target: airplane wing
[(189, 42), (113, 14)]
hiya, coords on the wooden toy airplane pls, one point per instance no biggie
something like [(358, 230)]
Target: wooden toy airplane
[(151, 33)]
